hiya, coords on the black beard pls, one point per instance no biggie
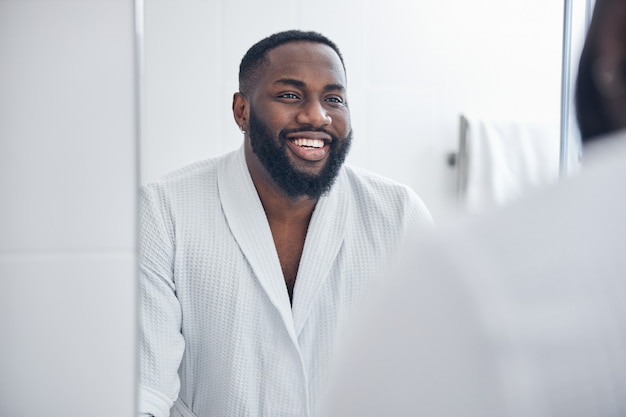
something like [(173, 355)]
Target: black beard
[(274, 158)]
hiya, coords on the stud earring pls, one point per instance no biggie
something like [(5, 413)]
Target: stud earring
[(243, 130)]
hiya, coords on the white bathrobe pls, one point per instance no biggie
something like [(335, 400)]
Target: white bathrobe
[(218, 335)]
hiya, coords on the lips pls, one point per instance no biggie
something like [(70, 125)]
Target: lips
[(309, 146)]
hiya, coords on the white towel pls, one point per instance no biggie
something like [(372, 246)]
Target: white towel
[(500, 160)]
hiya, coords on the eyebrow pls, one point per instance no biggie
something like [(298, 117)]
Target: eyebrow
[(301, 84)]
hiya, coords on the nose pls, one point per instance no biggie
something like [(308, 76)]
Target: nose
[(313, 113)]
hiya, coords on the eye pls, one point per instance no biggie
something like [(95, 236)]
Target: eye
[(290, 96), (335, 100)]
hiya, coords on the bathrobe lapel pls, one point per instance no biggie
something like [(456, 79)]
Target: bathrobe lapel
[(248, 224), (323, 241)]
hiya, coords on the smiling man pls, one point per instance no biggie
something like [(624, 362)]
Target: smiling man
[(251, 263)]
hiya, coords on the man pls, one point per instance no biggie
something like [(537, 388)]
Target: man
[(251, 263), (521, 313)]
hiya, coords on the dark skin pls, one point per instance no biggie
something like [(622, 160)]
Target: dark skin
[(612, 47), (302, 86)]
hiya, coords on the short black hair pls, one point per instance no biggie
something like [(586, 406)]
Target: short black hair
[(257, 54)]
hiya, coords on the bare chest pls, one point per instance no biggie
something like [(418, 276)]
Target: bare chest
[(289, 242)]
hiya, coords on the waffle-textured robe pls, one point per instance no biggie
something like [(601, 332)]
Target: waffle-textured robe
[(218, 335)]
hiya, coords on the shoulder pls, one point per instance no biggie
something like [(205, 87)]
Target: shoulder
[(188, 173), (199, 174), (369, 185), (194, 185), (378, 193)]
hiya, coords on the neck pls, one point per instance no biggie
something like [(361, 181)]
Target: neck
[(282, 209)]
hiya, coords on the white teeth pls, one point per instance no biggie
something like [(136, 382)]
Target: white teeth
[(312, 143)]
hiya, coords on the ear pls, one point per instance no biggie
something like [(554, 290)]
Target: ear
[(241, 111)]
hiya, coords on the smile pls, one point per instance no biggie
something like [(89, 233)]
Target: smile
[(308, 149)]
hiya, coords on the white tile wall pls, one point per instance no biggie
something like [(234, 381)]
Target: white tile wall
[(196, 102), (67, 328), (68, 175)]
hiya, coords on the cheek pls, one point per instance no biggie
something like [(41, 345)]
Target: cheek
[(341, 122), (276, 119)]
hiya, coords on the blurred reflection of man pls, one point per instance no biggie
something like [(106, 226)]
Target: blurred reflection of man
[(521, 313), (250, 263)]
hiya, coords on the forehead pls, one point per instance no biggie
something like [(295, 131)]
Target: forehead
[(304, 60)]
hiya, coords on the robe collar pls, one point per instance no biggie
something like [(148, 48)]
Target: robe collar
[(249, 225)]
